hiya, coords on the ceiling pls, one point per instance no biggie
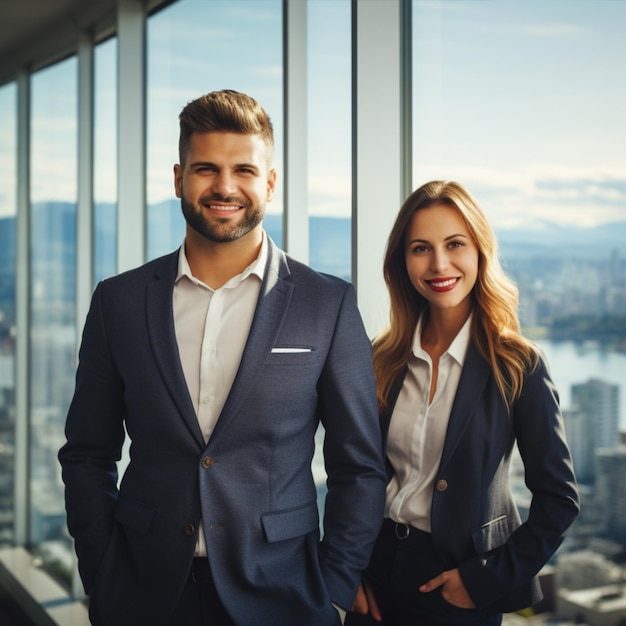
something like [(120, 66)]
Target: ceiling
[(35, 33)]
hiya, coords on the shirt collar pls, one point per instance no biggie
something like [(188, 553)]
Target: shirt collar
[(457, 349), (256, 268)]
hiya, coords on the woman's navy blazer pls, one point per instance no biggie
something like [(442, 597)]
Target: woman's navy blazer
[(475, 521)]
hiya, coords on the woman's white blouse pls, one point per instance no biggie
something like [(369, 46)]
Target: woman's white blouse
[(417, 429)]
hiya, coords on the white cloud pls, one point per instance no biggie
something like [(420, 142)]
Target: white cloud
[(552, 30), (565, 195)]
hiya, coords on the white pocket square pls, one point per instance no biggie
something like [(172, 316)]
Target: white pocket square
[(289, 350)]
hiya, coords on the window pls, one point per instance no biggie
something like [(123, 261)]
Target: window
[(8, 207), (53, 302), (105, 160), (330, 141), (194, 48), (519, 102)]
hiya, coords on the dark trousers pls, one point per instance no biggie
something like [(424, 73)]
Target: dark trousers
[(200, 605), (402, 562)]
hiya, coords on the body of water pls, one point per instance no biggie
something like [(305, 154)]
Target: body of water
[(572, 363)]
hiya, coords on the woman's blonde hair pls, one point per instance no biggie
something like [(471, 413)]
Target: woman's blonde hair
[(495, 327)]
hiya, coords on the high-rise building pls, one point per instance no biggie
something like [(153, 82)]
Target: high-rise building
[(583, 452), (611, 469), (598, 401)]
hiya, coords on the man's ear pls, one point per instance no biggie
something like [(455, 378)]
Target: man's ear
[(271, 184), (178, 180)]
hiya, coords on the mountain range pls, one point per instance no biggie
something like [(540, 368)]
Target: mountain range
[(330, 237)]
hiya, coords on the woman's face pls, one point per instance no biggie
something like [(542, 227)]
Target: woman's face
[(441, 258)]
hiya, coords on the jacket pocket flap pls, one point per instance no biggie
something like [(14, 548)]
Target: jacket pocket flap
[(291, 523), (133, 515), (493, 534)]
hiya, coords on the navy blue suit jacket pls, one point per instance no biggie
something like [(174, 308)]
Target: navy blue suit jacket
[(252, 484), (475, 521)]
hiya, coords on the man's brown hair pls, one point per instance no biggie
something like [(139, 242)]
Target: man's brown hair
[(225, 111)]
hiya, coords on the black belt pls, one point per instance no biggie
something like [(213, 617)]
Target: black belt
[(406, 532), (200, 571)]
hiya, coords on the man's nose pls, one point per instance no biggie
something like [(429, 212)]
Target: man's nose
[(223, 184)]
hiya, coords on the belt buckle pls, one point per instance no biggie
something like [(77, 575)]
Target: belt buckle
[(200, 572), (402, 530)]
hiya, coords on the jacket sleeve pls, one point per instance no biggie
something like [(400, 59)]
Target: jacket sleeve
[(95, 433), (353, 456), (549, 475)]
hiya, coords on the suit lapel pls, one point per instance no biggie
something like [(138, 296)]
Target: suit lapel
[(471, 386), (269, 315), (160, 322)]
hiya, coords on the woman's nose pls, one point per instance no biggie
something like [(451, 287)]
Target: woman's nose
[(439, 260)]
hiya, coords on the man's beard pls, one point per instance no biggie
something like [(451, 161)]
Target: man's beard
[(223, 230)]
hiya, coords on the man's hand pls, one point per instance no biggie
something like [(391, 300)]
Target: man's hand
[(453, 590), (365, 602)]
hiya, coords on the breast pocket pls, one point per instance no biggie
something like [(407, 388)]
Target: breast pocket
[(293, 356)]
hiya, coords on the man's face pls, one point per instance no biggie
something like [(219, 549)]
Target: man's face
[(225, 184)]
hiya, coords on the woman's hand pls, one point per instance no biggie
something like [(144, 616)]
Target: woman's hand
[(453, 590), (366, 602)]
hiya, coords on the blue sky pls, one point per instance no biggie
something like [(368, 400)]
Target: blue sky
[(521, 100), (524, 102)]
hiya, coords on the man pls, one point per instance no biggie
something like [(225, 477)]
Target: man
[(219, 361)]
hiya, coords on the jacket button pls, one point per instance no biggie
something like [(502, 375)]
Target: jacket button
[(207, 462), (189, 529), (441, 485)]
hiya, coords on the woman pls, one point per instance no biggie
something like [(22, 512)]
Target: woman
[(458, 386)]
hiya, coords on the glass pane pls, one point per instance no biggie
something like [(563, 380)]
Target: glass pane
[(8, 209), (187, 44), (105, 160), (53, 303), (330, 116), (522, 103), (329, 171)]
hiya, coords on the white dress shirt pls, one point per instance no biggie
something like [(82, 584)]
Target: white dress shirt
[(417, 430), (212, 327)]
